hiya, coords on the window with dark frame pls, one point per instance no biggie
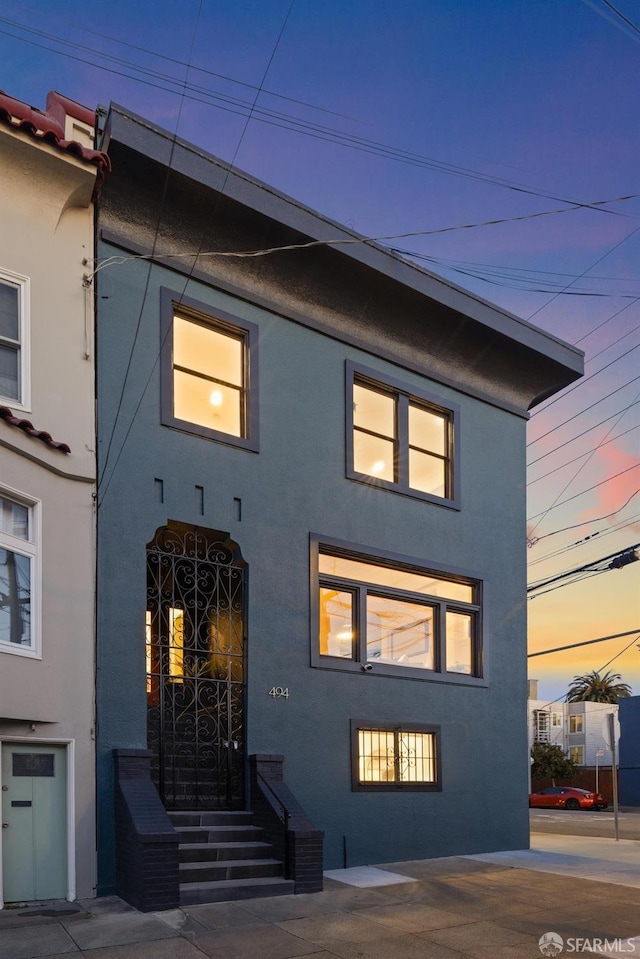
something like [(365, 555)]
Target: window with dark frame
[(209, 372), (399, 439), (395, 618), (391, 757)]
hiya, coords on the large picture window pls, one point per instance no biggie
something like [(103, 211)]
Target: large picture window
[(399, 439), (390, 616), (14, 339), (18, 578), (209, 372), (388, 757)]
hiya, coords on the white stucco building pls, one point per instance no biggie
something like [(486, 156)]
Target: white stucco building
[(49, 173)]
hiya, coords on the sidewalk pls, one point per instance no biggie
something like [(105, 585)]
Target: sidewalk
[(493, 906)]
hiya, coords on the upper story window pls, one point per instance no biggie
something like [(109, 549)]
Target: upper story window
[(575, 724), (394, 618), (399, 438), (18, 578), (14, 339), (209, 372), (556, 719)]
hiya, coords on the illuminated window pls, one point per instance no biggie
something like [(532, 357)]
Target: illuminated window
[(575, 724), (209, 372), (395, 757), (395, 618), (18, 576), (556, 719), (576, 753), (14, 339), (398, 439)]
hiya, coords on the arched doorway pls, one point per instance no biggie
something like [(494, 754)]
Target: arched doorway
[(195, 648)]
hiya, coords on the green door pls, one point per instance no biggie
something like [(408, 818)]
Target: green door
[(34, 822)]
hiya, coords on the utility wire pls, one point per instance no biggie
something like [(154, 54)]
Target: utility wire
[(155, 239), (586, 410), (342, 241), (586, 379), (587, 522), (186, 283), (587, 642), (605, 442), (578, 435), (582, 492), (283, 121)]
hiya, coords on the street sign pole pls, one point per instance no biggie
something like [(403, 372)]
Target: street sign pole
[(614, 770)]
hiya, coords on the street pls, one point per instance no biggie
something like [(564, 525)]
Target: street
[(584, 822)]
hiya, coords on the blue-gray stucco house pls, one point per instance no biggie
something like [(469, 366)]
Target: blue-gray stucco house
[(310, 537)]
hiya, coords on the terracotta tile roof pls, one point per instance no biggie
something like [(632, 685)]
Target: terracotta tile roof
[(50, 126), (27, 427)]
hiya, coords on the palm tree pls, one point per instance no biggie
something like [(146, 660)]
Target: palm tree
[(596, 688)]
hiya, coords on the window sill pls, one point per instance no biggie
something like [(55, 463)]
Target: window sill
[(397, 672), (374, 483)]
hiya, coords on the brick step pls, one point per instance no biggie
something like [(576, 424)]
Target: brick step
[(215, 834), (210, 817), (223, 851), (218, 871), (192, 893)]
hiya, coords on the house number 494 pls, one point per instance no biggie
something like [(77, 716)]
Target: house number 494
[(279, 692)]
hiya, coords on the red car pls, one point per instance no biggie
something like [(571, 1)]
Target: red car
[(567, 797)]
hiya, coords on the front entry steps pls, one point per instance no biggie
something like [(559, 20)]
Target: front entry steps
[(222, 858)]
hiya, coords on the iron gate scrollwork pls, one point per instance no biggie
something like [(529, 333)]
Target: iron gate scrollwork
[(195, 648)]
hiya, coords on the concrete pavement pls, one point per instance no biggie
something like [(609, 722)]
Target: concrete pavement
[(493, 906)]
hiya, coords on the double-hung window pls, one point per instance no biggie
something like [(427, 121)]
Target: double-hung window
[(575, 724), (400, 439), (391, 617), (14, 339), (18, 576), (209, 372), (386, 756)]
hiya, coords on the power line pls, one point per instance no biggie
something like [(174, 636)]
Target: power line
[(341, 241), (186, 283), (586, 522), (155, 240), (618, 559), (586, 540), (587, 642), (589, 490), (579, 435), (586, 379), (280, 120), (586, 410), (586, 453)]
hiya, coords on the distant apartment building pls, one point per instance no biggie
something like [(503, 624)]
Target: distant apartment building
[(576, 727)]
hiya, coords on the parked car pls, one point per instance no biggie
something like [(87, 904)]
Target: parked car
[(567, 797)]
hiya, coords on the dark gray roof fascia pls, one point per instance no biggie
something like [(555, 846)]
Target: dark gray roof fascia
[(185, 158)]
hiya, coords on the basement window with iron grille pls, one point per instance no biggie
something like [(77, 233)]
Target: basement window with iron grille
[(389, 757)]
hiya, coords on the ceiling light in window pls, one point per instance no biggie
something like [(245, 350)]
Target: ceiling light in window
[(345, 634), (378, 467), (216, 398)]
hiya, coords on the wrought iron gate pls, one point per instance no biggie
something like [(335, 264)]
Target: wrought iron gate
[(195, 642)]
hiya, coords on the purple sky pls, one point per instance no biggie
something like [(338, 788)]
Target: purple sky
[(500, 93)]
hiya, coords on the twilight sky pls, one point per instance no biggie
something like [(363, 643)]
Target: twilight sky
[(418, 116)]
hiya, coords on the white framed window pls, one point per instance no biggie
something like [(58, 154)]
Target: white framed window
[(14, 340), (576, 753), (19, 575), (576, 724)]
